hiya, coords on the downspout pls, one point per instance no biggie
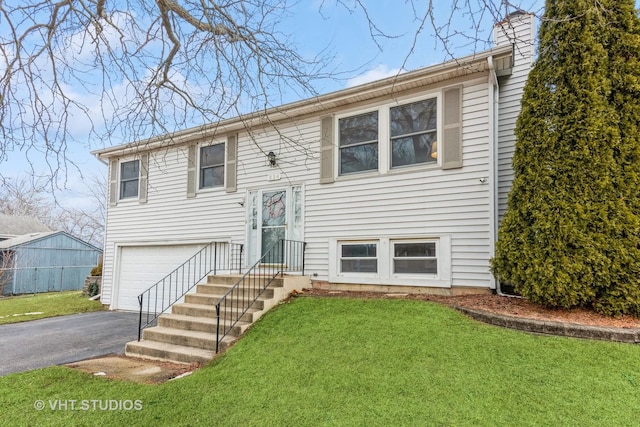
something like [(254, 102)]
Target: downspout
[(494, 107)]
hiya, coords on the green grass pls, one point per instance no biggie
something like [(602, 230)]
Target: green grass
[(334, 361), (30, 307)]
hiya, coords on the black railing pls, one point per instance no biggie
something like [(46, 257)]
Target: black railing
[(214, 258), (284, 256)]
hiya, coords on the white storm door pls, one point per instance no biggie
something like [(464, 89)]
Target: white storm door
[(273, 214)]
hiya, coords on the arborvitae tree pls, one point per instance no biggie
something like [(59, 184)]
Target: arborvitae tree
[(624, 56), (570, 233)]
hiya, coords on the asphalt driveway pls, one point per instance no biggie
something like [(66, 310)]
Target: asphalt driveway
[(65, 339)]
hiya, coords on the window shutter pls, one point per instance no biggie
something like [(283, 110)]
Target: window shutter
[(113, 183), (326, 151), (452, 132), (144, 178), (191, 171), (230, 166)]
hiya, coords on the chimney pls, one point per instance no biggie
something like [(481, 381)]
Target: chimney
[(517, 29)]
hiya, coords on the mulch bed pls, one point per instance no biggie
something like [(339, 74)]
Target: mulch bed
[(505, 305)]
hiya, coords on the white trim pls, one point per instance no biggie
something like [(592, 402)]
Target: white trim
[(115, 282), (384, 275), (117, 258), (384, 135), (289, 216), (392, 258), (302, 208), (172, 242), (342, 243)]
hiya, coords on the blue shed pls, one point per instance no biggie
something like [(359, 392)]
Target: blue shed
[(45, 262)]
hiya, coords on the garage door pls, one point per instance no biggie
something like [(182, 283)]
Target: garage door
[(140, 267)]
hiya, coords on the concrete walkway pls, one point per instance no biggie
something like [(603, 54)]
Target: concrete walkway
[(58, 340)]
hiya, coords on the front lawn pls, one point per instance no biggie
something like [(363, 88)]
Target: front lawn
[(338, 361), (29, 307)]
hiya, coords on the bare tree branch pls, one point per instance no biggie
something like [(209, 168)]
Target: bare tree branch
[(144, 68), (91, 73), (23, 197)]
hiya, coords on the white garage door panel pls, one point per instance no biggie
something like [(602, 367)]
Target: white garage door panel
[(140, 267)]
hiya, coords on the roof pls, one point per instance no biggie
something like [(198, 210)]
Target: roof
[(25, 238), (31, 237), (18, 225), (460, 67)]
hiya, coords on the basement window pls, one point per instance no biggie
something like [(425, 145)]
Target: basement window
[(359, 257), (411, 257)]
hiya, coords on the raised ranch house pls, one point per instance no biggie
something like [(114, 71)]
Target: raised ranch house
[(392, 184)]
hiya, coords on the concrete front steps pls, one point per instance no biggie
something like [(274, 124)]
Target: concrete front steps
[(188, 333)]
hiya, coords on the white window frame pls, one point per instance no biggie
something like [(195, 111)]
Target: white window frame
[(200, 168), (384, 136), (393, 259), (385, 275), (341, 244), (121, 180)]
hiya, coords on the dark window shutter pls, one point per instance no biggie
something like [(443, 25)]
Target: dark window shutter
[(191, 171), (326, 151), (452, 132), (230, 167), (144, 178), (113, 183)]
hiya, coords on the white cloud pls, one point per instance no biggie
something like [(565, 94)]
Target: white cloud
[(379, 72)]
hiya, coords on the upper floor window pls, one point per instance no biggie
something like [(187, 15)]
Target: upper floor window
[(413, 132), (358, 142), (129, 179), (420, 133), (212, 166)]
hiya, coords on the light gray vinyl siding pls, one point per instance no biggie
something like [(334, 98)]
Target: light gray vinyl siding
[(169, 216), (510, 95), (416, 201), (420, 201)]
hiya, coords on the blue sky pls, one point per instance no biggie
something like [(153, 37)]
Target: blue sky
[(317, 25)]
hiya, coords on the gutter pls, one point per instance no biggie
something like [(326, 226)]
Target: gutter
[(100, 159)]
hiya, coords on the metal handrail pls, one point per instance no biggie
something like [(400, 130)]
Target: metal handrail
[(284, 256), (214, 257)]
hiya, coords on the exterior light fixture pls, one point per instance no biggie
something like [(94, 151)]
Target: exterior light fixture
[(272, 158)]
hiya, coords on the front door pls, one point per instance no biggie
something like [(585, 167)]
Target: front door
[(273, 215)]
